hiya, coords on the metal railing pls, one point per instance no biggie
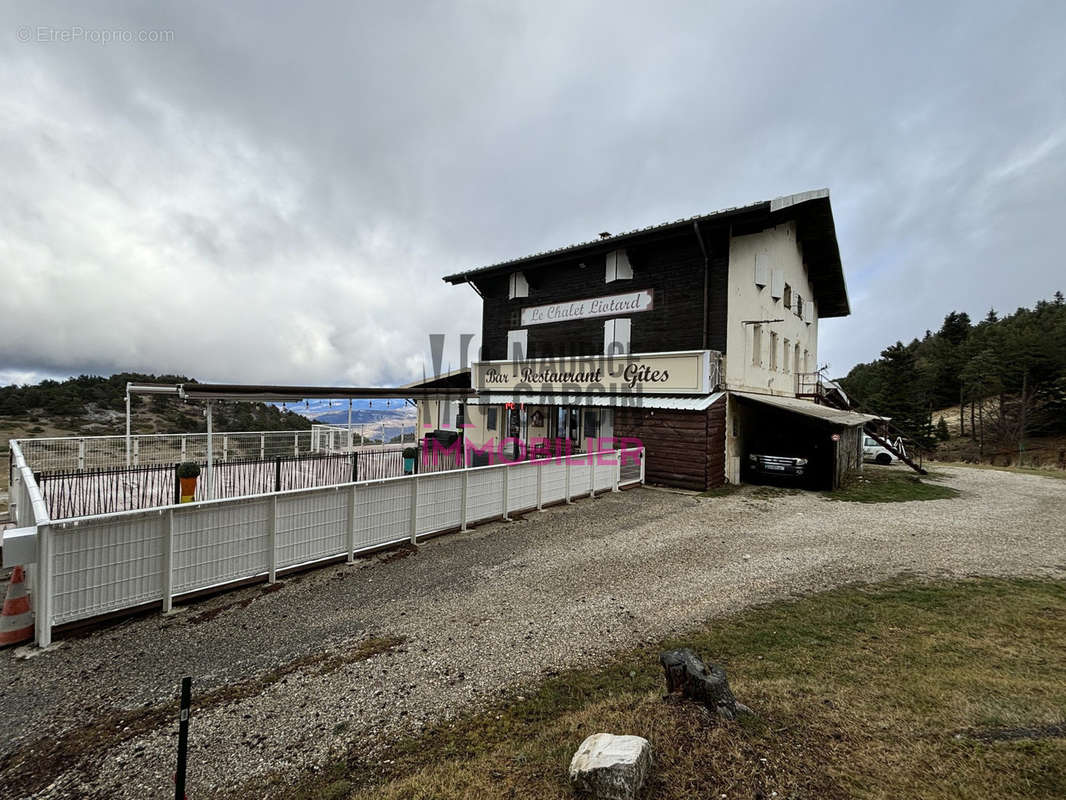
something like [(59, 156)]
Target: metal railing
[(342, 439), (28, 510), (101, 564), (87, 492), (87, 452)]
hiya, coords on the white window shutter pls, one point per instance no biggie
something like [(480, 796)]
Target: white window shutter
[(762, 269), (516, 345), (808, 312), (616, 335), (518, 286), (777, 283), (618, 266)]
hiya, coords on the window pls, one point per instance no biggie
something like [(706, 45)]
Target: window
[(616, 335), (773, 350), (787, 296), (785, 355), (492, 419), (756, 345), (592, 423), (799, 306), (796, 359), (518, 286), (777, 283), (516, 345), (618, 266), (762, 269)]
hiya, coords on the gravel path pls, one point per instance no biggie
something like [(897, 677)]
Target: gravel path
[(467, 618)]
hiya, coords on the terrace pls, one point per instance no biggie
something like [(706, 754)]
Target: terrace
[(101, 537)]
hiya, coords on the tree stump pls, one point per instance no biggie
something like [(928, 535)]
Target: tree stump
[(687, 674)]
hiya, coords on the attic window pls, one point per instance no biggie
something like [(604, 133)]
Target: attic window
[(618, 266), (517, 286)]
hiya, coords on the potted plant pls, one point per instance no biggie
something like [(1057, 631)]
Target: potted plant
[(188, 472), (409, 456)]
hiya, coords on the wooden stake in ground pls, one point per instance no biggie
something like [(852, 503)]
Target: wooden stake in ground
[(183, 738)]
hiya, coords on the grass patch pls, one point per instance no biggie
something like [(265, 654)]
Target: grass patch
[(886, 485), (899, 690), (725, 490)]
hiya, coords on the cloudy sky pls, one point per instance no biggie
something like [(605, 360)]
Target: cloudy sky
[(271, 191)]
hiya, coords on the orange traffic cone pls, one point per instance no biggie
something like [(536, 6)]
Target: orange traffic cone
[(16, 621)]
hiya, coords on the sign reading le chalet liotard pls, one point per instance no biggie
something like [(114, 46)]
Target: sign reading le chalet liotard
[(613, 305)]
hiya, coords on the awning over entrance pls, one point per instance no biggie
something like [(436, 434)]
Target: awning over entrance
[(634, 400), (833, 416)]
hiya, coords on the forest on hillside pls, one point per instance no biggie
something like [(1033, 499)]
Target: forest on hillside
[(86, 396), (1007, 374)]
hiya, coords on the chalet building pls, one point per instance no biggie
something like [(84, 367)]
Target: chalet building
[(694, 337)]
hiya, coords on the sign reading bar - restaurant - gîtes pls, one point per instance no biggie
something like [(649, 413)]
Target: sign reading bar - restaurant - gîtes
[(654, 373), (615, 304)]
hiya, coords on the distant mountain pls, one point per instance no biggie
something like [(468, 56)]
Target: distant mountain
[(372, 418)]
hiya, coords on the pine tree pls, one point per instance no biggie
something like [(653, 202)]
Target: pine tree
[(942, 430)]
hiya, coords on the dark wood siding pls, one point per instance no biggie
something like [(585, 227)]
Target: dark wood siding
[(672, 268), (716, 444), (684, 448)]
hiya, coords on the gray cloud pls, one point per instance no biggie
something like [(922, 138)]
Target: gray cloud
[(274, 193)]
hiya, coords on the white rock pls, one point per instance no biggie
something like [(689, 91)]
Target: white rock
[(609, 767)]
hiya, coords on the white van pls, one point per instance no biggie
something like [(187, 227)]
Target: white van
[(872, 450)]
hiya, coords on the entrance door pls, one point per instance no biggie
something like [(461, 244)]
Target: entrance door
[(567, 432), (514, 430)]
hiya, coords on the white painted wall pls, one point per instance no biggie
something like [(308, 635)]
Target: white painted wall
[(777, 249)]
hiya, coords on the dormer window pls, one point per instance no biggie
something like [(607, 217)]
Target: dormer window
[(517, 286), (618, 266)]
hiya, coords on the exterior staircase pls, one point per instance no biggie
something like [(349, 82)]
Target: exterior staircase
[(812, 386)]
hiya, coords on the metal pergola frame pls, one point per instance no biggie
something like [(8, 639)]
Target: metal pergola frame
[(257, 393)]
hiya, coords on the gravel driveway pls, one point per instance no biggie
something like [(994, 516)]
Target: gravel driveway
[(362, 653)]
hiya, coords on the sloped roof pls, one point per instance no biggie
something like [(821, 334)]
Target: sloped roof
[(809, 409), (816, 231)]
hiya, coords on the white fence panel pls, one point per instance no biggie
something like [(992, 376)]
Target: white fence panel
[(383, 513), (221, 542), (311, 525), (484, 493), (113, 562), (606, 470), (579, 475), (553, 481), (631, 468), (106, 566), (522, 487), (439, 496)]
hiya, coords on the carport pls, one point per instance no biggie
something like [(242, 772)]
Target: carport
[(830, 439)]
